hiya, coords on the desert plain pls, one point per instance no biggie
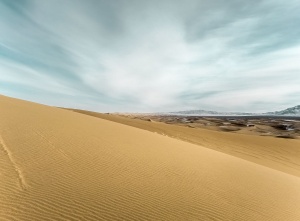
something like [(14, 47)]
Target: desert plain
[(59, 164)]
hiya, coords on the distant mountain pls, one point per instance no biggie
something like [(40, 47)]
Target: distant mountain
[(210, 113), (293, 111)]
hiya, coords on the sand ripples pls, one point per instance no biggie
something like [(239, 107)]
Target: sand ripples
[(59, 165)]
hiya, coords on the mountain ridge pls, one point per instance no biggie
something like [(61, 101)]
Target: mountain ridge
[(292, 111)]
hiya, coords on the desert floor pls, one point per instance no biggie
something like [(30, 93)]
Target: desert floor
[(277, 153), (57, 164)]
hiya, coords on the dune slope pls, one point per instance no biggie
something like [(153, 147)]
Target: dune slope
[(279, 154), (60, 165)]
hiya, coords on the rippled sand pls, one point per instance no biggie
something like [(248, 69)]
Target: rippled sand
[(60, 165)]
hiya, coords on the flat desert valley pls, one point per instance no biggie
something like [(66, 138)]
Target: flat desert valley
[(59, 164)]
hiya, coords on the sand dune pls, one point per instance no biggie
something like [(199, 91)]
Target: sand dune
[(60, 165), (279, 154)]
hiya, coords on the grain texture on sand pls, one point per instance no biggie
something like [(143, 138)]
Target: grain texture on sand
[(279, 154), (60, 165)]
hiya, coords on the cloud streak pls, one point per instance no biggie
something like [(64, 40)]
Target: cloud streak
[(152, 55)]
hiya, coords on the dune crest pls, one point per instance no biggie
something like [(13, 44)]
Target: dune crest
[(278, 154), (61, 165)]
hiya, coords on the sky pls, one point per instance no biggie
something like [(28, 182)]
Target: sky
[(152, 56)]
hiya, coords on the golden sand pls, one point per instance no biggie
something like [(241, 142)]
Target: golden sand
[(60, 165), (277, 153)]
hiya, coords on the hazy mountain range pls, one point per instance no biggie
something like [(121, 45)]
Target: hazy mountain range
[(293, 111)]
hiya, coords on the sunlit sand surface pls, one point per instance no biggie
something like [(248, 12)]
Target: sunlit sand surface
[(56, 164), (276, 153)]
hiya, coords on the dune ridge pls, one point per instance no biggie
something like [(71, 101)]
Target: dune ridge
[(78, 167), (275, 153)]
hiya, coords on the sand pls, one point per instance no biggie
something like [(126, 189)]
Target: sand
[(276, 153), (60, 165)]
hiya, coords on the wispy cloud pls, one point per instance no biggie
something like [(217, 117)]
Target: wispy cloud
[(152, 55)]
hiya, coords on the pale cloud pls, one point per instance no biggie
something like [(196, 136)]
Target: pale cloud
[(152, 55)]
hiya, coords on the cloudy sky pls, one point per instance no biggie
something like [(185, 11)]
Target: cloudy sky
[(143, 56)]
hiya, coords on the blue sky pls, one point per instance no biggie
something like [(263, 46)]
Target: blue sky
[(143, 56)]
